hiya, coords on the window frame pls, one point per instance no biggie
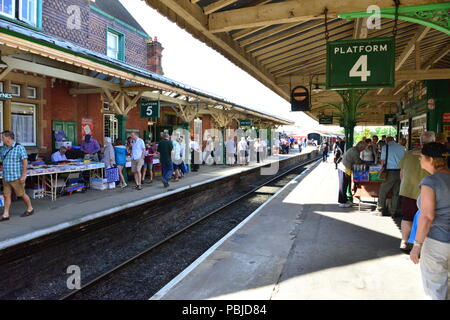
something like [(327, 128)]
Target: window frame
[(19, 94), (36, 13), (26, 144), (34, 96), (1, 117), (120, 43), (114, 133), (13, 16)]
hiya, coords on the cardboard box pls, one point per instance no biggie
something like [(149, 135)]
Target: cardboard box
[(35, 193)]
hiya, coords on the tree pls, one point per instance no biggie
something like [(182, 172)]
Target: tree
[(366, 133)]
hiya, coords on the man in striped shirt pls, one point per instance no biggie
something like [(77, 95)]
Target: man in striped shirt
[(15, 163)]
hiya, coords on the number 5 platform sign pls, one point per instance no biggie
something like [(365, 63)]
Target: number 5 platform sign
[(149, 108), (361, 63)]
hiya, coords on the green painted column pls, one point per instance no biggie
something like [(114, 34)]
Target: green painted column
[(122, 127), (349, 130), (122, 130), (224, 157)]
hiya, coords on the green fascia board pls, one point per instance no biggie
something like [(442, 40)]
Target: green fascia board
[(390, 13), (118, 21)]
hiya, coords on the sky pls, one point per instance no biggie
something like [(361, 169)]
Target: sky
[(188, 60)]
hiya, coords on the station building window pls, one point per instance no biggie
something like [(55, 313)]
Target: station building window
[(15, 90), (8, 8), (31, 93), (27, 11), (115, 44), (110, 127), (23, 120), (1, 120)]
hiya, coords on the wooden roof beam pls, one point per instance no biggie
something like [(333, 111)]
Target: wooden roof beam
[(408, 50), (192, 15), (293, 11), (416, 75), (216, 6), (360, 31)]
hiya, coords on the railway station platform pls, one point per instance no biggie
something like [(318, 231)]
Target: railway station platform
[(67, 211), (300, 245)]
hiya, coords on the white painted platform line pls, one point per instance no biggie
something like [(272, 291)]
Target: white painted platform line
[(42, 232), (164, 290)]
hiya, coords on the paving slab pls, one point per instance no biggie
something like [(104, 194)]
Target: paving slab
[(301, 245)]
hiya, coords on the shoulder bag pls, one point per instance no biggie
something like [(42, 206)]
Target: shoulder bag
[(383, 172)]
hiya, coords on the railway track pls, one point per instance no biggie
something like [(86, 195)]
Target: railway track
[(104, 279)]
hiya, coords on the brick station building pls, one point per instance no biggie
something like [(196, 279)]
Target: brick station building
[(46, 95)]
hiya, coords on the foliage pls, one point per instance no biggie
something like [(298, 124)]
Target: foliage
[(379, 131)]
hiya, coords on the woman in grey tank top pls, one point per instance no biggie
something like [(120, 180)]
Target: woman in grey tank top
[(432, 242)]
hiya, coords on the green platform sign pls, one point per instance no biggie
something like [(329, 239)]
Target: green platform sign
[(149, 108), (390, 119), (361, 63), (245, 123), (326, 120)]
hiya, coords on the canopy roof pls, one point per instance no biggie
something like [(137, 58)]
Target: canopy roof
[(29, 50), (282, 42)]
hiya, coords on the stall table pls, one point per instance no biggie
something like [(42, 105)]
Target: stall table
[(47, 175), (367, 189)]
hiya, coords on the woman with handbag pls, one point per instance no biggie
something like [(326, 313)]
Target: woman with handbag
[(120, 154), (432, 241), (109, 159)]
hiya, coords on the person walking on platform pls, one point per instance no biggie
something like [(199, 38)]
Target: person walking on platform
[(325, 150), (148, 161), (109, 158), (120, 154), (195, 154), (137, 159), (15, 164), (411, 174), (165, 148), (338, 150), (258, 149), (432, 240), (391, 154), (349, 159), (242, 151), (176, 158), (230, 147)]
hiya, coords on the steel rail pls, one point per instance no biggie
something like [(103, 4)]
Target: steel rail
[(175, 234)]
